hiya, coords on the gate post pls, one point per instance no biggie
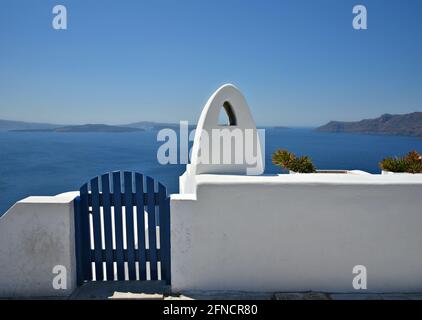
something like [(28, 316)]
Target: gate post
[(78, 242)]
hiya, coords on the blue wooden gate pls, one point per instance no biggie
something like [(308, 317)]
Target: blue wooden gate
[(122, 224)]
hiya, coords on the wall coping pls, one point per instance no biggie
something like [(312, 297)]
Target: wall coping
[(311, 178), (60, 198)]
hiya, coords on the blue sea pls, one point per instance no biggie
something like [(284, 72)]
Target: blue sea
[(51, 163)]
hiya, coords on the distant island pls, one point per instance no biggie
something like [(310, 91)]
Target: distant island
[(149, 125), (21, 126), (84, 128), (403, 124), (278, 128), (9, 125)]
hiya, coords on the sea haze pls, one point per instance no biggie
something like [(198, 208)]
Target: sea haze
[(48, 163)]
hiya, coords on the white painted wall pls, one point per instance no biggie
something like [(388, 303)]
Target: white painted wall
[(36, 234), (298, 232)]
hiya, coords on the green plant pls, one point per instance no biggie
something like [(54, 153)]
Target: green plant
[(395, 164), (289, 161), (282, 158), (411, 163), (302, 164), (415, 167), (414, 162)]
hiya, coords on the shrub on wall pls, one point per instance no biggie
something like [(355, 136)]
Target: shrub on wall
[(411, 163), (289, 161)]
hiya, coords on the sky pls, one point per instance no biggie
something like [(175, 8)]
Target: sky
[(298, 63)]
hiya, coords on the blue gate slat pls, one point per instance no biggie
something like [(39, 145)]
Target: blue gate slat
[(164, 217), (118, 225), (151, 228), (108, 231), (140, 209), (96, 225), (130, 237), (85, 233)]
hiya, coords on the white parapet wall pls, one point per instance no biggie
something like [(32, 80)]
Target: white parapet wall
[(37, 239), (298, 232)]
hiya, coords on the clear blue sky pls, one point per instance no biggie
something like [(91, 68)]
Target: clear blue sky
[(299, 63)]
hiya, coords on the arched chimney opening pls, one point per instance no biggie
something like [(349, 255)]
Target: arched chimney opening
[(231, 117)]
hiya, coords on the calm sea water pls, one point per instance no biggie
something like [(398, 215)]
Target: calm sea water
[(52, 163)]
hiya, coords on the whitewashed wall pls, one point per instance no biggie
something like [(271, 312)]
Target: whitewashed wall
[(297, 233), (36, 234)]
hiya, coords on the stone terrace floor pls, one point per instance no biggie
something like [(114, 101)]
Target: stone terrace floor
[(156, 290)]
